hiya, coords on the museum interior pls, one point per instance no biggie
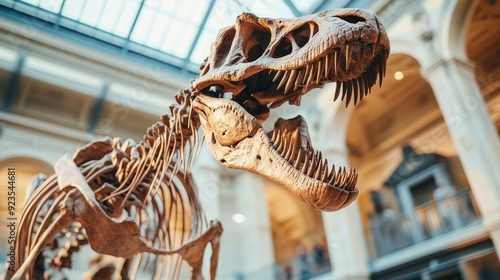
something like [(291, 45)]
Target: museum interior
[(426, 144)]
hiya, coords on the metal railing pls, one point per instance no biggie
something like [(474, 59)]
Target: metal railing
[(391, 233), (301, 267)]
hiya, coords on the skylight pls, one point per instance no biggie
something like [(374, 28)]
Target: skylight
[(180, 29)]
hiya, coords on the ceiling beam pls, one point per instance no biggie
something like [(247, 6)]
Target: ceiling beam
[(198, 35)]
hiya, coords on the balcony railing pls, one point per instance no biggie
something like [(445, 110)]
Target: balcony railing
[(391, 233), (301, 267)]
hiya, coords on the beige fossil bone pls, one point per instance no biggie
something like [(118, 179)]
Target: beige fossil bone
[(135, 201), (264, 63)]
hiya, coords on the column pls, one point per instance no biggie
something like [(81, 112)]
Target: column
[(206, 173), (459, 97), (344, 233), (254, 234)]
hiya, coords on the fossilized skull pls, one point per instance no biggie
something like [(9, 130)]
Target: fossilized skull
[(263, 63)]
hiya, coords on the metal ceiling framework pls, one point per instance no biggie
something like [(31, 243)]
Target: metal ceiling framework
[(166, 31)]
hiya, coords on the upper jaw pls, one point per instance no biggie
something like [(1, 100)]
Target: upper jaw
[(347, 46)]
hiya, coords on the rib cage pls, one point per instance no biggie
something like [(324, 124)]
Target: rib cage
[(150, 182)]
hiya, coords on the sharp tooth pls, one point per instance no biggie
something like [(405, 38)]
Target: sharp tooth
[(291, 80), (306, 74), (338, 177), (312, 166), (352, 179), (327, 65), (278, 74), (325, 172), (355, 91), (373, 48), (284, 79), (352, 176), (336, 61), (310, 75), (318, 172), (344, 178), (348, 54), (283, 148), (361, 53), (384, 61), (273, 136), (355, 181), (319, 167), (365, 83), (290, 152), (337, 90), (349, 93), (374, 74), (319, 69), (299, 159), (278, 142), (380, 72), (306, 163), (347, 180), (299, 79), (361, 87), (332, 176), (369, 79), (344, 90)]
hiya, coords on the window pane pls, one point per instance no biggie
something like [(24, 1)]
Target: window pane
[(73, 8), (109, 19), (179, 39), (141, 30), (91, 12), (192, 10), (52, 6), (32, 2), (127, 18), (158, 31)]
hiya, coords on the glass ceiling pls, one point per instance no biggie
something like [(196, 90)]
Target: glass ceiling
[(178, 32)]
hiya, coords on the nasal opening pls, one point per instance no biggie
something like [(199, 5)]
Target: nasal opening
[(352, 19)]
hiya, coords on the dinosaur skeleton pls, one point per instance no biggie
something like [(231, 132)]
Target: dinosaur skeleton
[(139, 202)]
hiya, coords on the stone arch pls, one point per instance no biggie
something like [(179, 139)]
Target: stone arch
[(410, 48), (454, 18), (45, 158)]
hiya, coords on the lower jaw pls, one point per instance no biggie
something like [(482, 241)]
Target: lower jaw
[(315, 193)]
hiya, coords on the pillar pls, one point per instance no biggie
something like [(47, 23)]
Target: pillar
[(254, 234), (344, 233), (466, 115), (208, 180), (344, 230)]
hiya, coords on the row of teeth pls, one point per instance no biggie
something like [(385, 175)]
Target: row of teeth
[(312, 164), (361, 86), (319, 71)]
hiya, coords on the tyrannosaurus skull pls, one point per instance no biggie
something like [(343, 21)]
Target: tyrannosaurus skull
[(264, 63)]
